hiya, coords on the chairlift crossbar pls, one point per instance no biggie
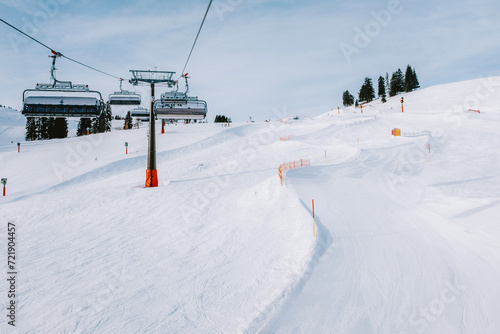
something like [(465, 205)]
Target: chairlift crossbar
[(68, 87), (152, 77)]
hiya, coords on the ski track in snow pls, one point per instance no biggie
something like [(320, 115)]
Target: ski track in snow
[(403, 245)]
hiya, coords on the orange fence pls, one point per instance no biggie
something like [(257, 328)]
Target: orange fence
[(286, 138), (291, 165), (475, 110)]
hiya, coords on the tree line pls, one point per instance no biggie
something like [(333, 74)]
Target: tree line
[(222, 119), (399, 83), (38, 128)]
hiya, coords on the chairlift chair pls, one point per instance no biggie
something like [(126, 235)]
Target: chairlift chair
[(142, 113), (61, 99), (176, 105), (124, 97)]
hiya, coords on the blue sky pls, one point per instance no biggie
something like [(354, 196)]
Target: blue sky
[(253, 58)]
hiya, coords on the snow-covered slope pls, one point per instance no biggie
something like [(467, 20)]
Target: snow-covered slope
[(406, 242), (12, 126)]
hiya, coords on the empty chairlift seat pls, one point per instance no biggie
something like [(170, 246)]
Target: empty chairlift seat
[(68, 106), (177, 105), (124, 97), (141, 113)]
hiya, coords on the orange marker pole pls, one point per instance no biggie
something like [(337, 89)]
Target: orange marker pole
[(314, 227), (280, 172), (358, 142), (429, 145), (326, 161)]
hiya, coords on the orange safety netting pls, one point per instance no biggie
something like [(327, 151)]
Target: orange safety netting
[(292, 165)]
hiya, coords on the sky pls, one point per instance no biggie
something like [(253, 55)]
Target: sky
[(259, 58)]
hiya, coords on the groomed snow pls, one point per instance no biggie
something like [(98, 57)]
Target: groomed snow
[(405, 242)]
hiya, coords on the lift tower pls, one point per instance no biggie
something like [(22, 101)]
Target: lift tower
[(152, 78)]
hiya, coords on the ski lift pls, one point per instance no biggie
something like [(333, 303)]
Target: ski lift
[(124, 97), (177, 105), (46, 100), (142, 113)]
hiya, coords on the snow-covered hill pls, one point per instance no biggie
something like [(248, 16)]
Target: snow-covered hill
[(12, 126), (405, 241)]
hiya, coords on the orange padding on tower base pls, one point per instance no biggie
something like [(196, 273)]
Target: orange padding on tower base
[(151, 181)]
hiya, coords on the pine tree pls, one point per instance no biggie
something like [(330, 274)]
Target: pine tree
[(38, 126), (102, 123), (347, 99), (83, 124), (356, 104), (397, 83), (31, 129), (367, 93), (400, 80), (387, 83), (381, 86), (94, 127), (60, 128), (222, 119), (393, 89), (107, 118), (44, 128), (408, 79), (51, 127), (415, 83), (128, 124), (384, 100)]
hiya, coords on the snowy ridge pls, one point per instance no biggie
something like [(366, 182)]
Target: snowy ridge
[(406, 241)]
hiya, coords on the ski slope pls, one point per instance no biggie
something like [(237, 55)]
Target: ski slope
[(405, 241)]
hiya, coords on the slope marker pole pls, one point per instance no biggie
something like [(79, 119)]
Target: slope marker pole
[(314, 225), (4, 182)]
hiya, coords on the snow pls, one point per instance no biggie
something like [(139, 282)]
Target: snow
[(12, 125), (406, 242)]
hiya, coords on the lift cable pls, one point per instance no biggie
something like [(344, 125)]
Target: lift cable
[(196, 39), (58, 54)]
